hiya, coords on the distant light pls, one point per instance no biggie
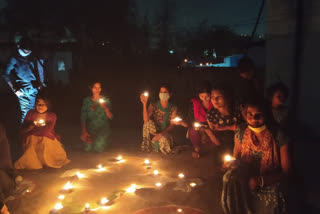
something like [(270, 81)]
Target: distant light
[(179, 210), (158, 184), (207, 63), (102, 43), (146, 162), (171, 51), (185, 60), (200, 64)]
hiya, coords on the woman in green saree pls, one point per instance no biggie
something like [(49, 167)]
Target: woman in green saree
[(95, 120), (157, 122)]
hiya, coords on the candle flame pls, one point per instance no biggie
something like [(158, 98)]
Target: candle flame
[(119, 158), (179, 210), (68, 186), (87, 206), (58, 206), (61, 197), (158, 184), (101, 100), (79, 175), (132, 188), (197, 125), (193, 184), (228, 158), (104, 201), (146, 161), (155, 172), (177, 119), (181, 175)]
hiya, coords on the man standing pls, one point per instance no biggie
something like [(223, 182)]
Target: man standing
[(25, 76)]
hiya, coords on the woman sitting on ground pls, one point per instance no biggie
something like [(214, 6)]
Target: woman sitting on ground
[(197, 114), (252, 184), (95, 120), (277, 95), (41, 144), (223, 116), (157, 125)]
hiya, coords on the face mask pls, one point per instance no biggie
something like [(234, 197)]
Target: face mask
[(164, 96), (23, 53), (259, 129)]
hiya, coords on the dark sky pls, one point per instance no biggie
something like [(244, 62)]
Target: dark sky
[(240, 15)]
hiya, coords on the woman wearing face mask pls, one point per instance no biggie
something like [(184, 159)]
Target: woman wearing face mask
[(41, 144), (223, 116), (157, 126), (262, 157)]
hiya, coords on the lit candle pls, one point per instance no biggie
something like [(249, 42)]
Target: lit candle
[(197, 125), (104, 201), (100, 168), (79, 175), (228, 158), (156, 172), (146, 94), (61, 197), (179, 210), (87, 208), (119, 158), (101, 100), (193, 184), (181, 175), (177, 119), (40, 122), (132, 188), (146, 162), (57, 208), (158, 184), (67, 187)]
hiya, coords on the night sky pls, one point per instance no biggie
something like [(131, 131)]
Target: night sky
[(239, 15)]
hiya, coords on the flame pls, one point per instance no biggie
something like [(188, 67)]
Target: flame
[(58, 206), (181, 175)]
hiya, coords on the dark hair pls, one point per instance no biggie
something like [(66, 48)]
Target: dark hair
[(204, 87), (245, 64), (25, 43), (225, 90), (261, 104), (92, 82), (278, 86), (167, 86), (45, 99)]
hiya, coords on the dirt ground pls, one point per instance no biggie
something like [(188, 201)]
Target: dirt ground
[(113, 182)]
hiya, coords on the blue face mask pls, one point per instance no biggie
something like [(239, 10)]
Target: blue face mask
[(164, 96)]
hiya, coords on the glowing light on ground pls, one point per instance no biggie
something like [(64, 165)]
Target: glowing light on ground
[(146, 162), (79, 175), (181, 175), (158, 184), (61, 197), (156, 172), (67, 187), (132, 188), (193, 184), (104, 201), (179, 210)]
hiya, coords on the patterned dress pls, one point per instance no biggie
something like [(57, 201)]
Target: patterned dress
[(256, 159), (225, 137), (97, 124), (159, 121)]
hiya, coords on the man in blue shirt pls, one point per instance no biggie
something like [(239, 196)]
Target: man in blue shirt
[(25, 76)]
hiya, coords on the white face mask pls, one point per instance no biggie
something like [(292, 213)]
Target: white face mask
[(22, 53), (164, 96)]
